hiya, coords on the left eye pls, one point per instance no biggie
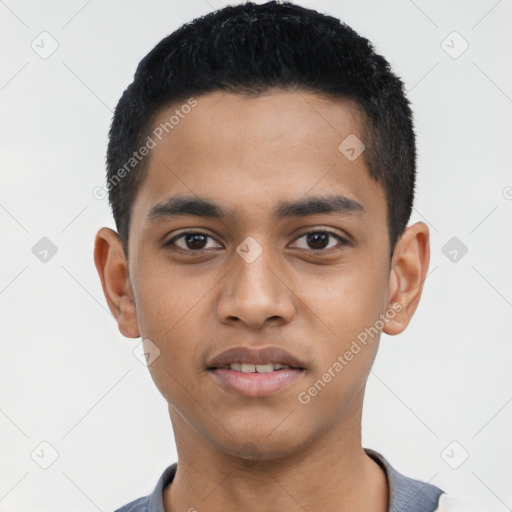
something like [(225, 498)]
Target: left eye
[(319, 240)]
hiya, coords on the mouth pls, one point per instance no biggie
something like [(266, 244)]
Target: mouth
[(255, 372), (257, 368), (250, 360)]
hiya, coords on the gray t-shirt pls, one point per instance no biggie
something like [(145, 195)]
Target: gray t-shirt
[(405, 494)]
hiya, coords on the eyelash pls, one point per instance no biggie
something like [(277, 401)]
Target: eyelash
[(343, 242)]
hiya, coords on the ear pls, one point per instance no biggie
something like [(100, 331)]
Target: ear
[(111, 265), (408, 273)]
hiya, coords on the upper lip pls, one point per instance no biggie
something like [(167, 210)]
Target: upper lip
[(265, 355)]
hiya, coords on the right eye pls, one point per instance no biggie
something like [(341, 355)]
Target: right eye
[(190, 241)]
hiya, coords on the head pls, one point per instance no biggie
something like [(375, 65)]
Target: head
[(261, 170)]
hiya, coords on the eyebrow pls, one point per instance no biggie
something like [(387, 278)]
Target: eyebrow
[(180, 206)]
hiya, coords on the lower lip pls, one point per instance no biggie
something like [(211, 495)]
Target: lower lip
[(256, 384)]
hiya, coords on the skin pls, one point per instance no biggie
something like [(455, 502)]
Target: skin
[(249, 154)]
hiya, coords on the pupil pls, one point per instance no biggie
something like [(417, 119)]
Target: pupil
[(193, 237), (318, 238)]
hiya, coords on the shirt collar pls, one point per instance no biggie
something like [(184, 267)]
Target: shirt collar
[(405, 494)]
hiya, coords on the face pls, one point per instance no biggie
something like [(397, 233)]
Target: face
[(298, 261)]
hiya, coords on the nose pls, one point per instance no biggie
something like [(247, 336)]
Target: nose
[(255, 293)]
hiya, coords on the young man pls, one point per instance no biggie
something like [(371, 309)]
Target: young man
[(261, 172)]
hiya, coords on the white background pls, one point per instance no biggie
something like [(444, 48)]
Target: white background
[(68, 377)]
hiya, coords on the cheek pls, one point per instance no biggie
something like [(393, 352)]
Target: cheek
[(346, 302), (166, 298), (170, 315), (347, 307), (178, 370)]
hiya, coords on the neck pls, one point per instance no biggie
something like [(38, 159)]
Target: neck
[(332, 473)]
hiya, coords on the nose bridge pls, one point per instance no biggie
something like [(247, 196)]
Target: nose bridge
[(253, 291), (255, 275)]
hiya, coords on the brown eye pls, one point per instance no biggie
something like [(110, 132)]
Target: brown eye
[(195, 241), (192, 242), (319, 240)]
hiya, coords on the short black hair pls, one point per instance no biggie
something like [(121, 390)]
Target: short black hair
[(252, 49)]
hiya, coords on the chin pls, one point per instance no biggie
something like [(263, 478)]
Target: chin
[(264, 443)]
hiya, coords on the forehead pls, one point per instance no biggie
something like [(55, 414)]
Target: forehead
[(251, 153), (279, 119)]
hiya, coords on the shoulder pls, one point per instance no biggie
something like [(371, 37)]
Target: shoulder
[(138, 505), (407, 494), (153, 502), (410, 495)]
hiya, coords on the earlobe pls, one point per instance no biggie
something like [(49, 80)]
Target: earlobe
[(111, 265), (409, 270)]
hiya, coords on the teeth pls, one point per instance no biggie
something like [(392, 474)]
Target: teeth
[(264, 368), (259, 368)]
